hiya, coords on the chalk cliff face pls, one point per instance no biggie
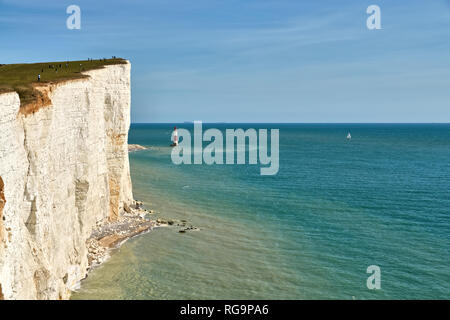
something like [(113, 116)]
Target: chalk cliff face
[(63, 168)]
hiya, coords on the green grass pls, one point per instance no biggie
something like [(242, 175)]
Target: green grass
[(21, 77)]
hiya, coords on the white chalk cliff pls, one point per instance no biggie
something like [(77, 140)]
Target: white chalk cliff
[(63, 168)]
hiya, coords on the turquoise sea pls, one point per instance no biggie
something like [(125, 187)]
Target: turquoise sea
[(336, 207)]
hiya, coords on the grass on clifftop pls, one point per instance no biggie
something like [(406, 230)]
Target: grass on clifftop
[(21, 77)]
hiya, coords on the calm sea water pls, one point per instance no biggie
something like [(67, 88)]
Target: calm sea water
[(335, 207)]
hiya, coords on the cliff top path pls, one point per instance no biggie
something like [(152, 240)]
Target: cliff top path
[(22, 77)]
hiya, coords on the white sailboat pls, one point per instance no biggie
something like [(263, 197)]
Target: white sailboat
[(349, 136)]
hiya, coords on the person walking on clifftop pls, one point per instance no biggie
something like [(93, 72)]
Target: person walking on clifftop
[(39, 77)]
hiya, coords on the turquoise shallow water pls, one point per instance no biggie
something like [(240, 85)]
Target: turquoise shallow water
[(335, 207)]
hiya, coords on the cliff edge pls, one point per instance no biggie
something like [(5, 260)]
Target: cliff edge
[(63, 168)]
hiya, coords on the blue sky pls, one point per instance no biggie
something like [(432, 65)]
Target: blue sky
[(253, 61)]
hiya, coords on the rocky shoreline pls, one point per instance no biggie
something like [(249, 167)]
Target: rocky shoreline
[(135, 220), (111, 234)]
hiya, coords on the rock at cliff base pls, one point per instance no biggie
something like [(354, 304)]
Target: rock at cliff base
[(136, 147)]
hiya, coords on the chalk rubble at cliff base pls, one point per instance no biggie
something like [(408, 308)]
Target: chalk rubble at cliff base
[(134, 221), (111, 234)]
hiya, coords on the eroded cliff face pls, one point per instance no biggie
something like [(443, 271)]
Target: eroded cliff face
[(63, 168)]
